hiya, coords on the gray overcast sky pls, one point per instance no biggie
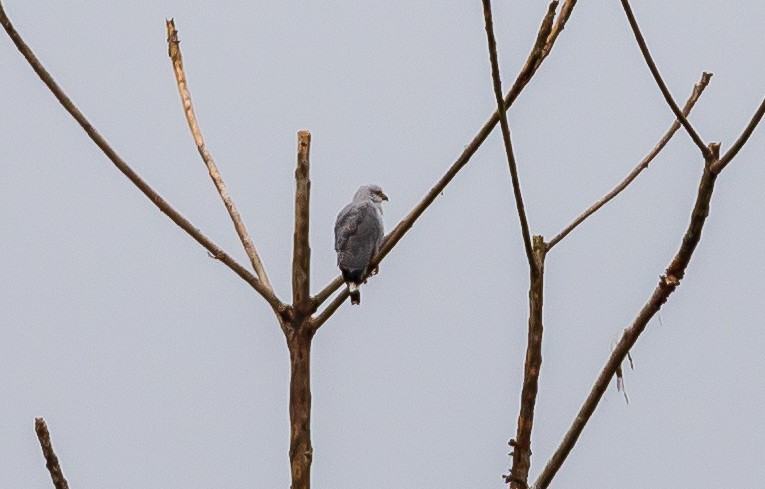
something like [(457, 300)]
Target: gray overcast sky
[(156, 367)]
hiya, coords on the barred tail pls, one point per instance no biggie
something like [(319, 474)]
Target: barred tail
[(355, 293)]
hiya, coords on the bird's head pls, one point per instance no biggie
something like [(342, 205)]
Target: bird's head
[(371, 192)]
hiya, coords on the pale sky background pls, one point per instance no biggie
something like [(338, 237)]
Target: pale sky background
[(157, 367)]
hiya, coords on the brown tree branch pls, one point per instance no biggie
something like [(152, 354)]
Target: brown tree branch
[(542, 47), (698, 89), (667, 284), (301, 450), (51, 460), (733, 151), (660, 82), (122, 166), (329, 289), (519, 473), (560, 23), (301, 250), (505, 128), (174, 50), (546, 35), (318, 320)]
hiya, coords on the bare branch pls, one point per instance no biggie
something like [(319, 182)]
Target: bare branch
[(662, 86), (122, 166), (301, 450), (51, 460), (667, 284), (560, 23), (539, 52), (698, 89), (733, 151), (546, 37), (329, 289), (322, 317), (301, 252), (519, 474), (504, 126), (174, 50)]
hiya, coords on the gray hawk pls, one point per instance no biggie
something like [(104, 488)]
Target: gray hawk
[(359, 233)]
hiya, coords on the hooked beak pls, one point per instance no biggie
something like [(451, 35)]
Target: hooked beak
[(383, 196)]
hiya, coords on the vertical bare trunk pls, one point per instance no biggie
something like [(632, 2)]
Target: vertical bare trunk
[(301, 451), (301, 254), (522, 443)]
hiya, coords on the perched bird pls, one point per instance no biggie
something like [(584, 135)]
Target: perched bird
[(358, 236)]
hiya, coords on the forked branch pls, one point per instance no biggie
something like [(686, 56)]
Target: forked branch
[(667, 284), (122, 166), (660, 82), (698, 89), (51, 460), (174, 50), (733, 151)]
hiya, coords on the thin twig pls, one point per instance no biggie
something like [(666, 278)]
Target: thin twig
[(667, 284), (122, 166), (301, 250), (733, 151), (174, 50), (539, 52), (51, 460), (505, 128), (697, 91), (660, 82)]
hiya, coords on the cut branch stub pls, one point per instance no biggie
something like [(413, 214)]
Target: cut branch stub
[(301, 251), (51, 460)]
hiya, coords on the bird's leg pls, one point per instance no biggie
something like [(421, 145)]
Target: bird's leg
[(372, 272)]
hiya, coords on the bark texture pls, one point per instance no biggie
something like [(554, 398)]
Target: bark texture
[(301, 451)]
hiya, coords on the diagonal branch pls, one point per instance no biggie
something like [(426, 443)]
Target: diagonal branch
[(495, 75), (667, 284), (660, 82), (560, 23), (51, 460), (733, 151), (546, 36), (122, 166), (321, 318), (697, 91), (329, 289), (174, 50), (542, 47), (301, 250)]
